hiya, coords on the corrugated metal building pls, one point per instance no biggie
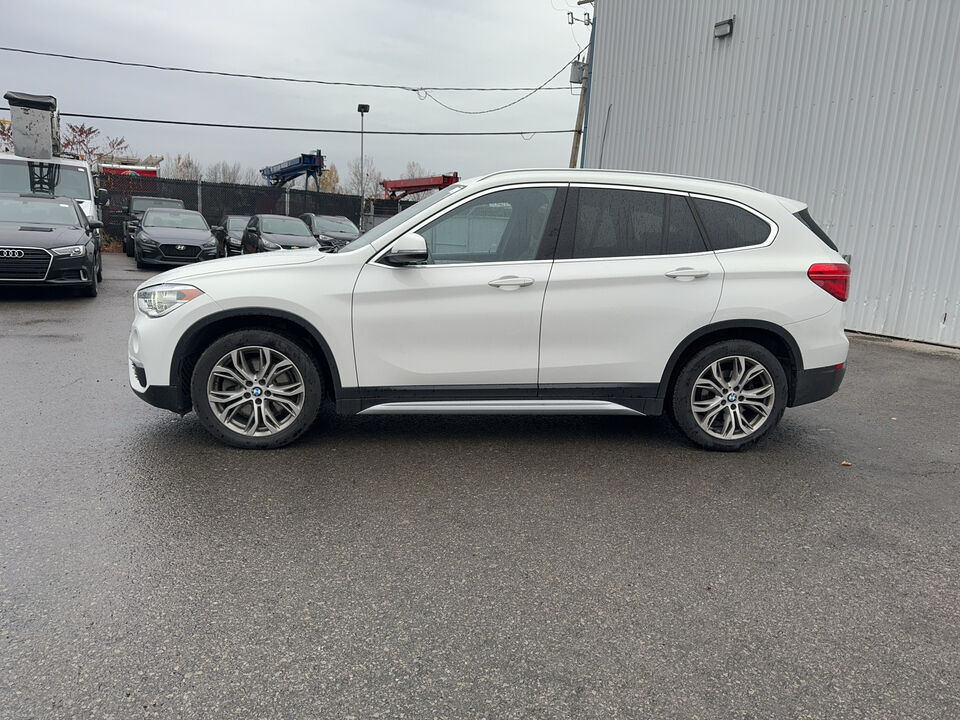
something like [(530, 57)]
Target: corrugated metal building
[(852, 106)]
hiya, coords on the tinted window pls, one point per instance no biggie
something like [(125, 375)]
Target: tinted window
[(729, 226), (138, 204), (505, 226), (285, 226), (333, 224), (630, 223), (187, 219), (37, 212)]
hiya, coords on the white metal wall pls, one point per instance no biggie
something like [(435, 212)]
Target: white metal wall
[(852, 106)]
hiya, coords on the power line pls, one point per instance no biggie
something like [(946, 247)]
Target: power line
[(526, 134), (274, 78), (509, 104)]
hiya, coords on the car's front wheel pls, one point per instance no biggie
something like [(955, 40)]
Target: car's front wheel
[(256, 389), (729, 395)]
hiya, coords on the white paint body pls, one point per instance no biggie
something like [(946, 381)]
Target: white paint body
[(589, 321)]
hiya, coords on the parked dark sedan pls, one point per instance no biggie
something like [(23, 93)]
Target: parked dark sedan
[(133, 214), (230, 234), (265, 233), (173, 237), (331, 231), (48, 241)]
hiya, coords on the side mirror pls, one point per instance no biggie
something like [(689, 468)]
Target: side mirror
[(103, 197), (95, 224), (411, 249), (216, 228)]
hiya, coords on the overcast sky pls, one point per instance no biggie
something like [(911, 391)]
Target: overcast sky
[(410, 42)]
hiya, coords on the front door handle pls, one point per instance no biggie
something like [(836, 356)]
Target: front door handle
[(511, 282), (687, 273)]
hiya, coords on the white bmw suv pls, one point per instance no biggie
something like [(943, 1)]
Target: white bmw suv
[(533, 291)]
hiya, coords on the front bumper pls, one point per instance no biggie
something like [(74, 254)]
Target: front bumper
[(817, 384), (166, 397), (155, 255), (60, 271)]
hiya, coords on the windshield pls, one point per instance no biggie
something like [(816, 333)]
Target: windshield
[(187, 219), (21, 176), (400, 218), (32, 211), (237, 222), (333, 224), (285, 226), (139, 204)]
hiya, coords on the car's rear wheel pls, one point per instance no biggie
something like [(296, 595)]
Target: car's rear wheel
[(729, 395), (256, 389)]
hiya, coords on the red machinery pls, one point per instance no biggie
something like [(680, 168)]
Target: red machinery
[(398, 189)]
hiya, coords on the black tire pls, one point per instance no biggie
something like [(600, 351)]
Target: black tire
[(128, 246), (742, 416), (141, 265), (100, 268), (302, 360), (91, 289)]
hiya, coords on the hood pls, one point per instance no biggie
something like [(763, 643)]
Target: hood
[(235, 263), (295, 240), (181, 236), (340, 234), (235, 234), (40, 236)]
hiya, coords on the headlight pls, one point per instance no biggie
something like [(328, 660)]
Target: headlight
[(212, 242), (159, 300), (146, 239), (71, 251), (269, 244), (324, 238)]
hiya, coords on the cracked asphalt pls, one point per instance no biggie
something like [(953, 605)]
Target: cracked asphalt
[(468, 567)]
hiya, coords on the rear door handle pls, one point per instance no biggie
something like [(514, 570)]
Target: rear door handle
[(687, 273), (511, 282)]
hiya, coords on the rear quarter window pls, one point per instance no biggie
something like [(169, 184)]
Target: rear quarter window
[(730, 226), (804, 217)]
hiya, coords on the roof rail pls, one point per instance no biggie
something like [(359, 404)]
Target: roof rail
[(623, 172)]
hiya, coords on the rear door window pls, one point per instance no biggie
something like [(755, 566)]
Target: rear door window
[(729, 226), (632, 223)]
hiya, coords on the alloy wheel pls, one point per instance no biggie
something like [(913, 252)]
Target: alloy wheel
[(256, 391), (733, 397)]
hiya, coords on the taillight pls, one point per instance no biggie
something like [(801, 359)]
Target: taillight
[(832, 277)]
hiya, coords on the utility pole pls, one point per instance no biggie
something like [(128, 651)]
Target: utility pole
[(578, 131), (585, 83)]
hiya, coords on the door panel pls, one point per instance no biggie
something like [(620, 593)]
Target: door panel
[(446, 325), (469, 316), (633, 279)]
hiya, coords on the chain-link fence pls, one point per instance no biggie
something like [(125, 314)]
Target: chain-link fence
[(214, 200)]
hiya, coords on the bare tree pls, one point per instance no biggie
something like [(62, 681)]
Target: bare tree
[(416, 170), (85, 140), (223, 172), (371, 179), (183, 167)]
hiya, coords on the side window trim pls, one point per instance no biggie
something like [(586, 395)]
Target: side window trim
[(565, 244), (774, 228), (545, 250)]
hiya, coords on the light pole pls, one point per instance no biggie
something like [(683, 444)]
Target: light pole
[(363, 110)]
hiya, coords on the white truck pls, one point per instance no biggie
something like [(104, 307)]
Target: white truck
[(37, 165)]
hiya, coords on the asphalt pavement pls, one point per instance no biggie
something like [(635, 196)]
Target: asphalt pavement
[(402, 567)]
